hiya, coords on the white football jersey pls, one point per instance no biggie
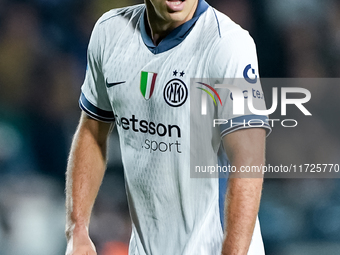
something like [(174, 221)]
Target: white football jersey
[(145, 90)]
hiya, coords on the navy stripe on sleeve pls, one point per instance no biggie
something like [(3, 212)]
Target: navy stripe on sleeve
[(243, 122), (95, 112)]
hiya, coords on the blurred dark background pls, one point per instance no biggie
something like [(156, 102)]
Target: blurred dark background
[(42, 66)]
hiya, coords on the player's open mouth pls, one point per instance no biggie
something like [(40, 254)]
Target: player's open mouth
[(175, 5)]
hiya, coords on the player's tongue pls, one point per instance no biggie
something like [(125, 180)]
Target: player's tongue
[(175, 5)]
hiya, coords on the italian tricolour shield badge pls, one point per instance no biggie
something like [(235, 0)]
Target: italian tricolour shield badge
[(147, 84)]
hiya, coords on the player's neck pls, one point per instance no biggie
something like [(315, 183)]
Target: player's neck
[(160, 28)]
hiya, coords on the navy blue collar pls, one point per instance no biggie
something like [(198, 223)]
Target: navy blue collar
[(176, 36)]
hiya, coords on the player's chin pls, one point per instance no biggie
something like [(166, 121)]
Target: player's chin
[(178, 17)]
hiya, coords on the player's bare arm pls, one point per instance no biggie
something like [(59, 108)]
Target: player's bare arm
[(85, 171), (244, 148)]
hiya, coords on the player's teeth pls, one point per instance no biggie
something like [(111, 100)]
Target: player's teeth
[(176, 3)]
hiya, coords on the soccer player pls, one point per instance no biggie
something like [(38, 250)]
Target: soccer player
[(140, 61)]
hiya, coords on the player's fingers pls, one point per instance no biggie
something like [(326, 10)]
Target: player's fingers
[(83, 252), (80, 245)]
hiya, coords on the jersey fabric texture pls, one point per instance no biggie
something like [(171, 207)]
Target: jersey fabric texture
[(144, 89)]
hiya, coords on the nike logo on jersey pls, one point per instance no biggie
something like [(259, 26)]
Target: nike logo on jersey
[(109, 85)]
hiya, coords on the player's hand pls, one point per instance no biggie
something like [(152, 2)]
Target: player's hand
[(80, 244)]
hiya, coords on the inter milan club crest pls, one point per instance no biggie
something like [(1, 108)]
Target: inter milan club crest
[(147, 84), (175, 91)]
